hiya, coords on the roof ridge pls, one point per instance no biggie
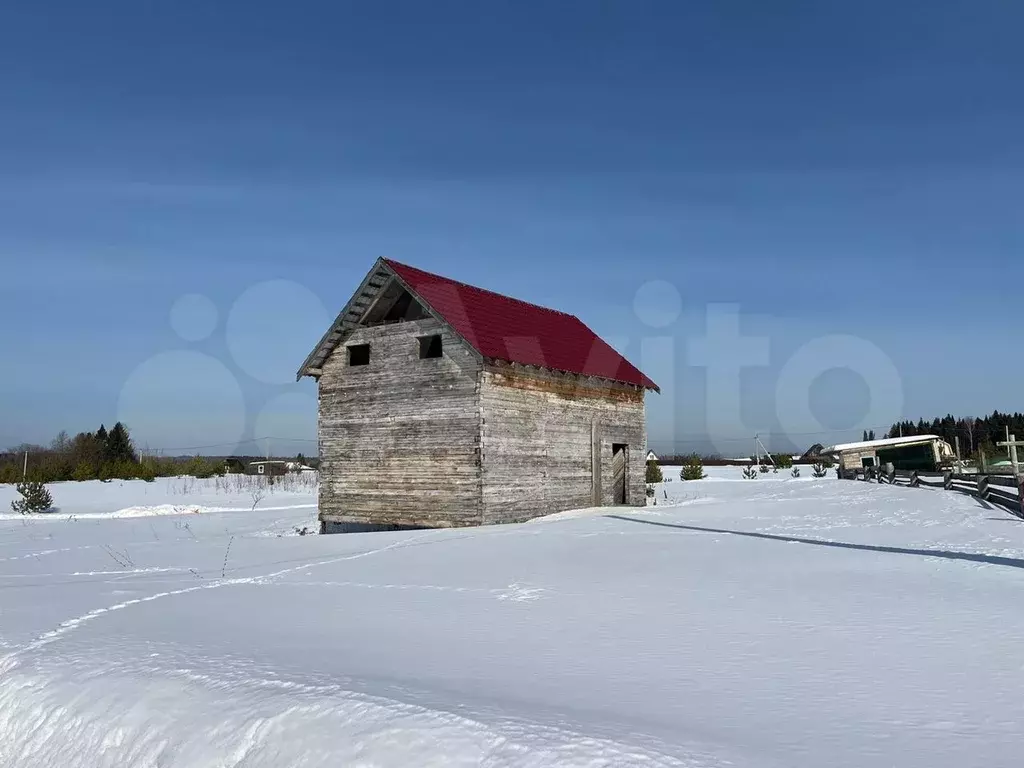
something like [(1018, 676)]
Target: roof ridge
[(482, 290)]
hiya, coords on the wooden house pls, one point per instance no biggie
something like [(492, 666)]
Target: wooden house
[(441, 404)]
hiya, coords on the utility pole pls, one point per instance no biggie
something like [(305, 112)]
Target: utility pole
[(901, 429), (956, 439), (268, 449), (757, 439), (24, 468)]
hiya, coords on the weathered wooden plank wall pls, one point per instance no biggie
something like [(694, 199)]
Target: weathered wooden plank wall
[(538, 434), (399, 437)]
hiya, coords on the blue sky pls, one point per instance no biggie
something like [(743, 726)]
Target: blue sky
[(189, 192)]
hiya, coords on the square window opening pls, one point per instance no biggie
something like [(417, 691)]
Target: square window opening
[(259, 469), (430, 346), (359, 354)]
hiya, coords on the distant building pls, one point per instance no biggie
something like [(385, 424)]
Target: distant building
[(652, 456), (442, 404), (811, 453), (235, 466), (918, 452), (272, 467)]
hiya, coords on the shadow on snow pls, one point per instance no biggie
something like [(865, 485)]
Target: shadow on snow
[(1009, 562)]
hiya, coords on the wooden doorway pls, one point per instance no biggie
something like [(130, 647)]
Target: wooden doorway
[(620, 459)]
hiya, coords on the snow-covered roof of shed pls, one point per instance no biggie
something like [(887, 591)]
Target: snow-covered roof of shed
[(864, 445)]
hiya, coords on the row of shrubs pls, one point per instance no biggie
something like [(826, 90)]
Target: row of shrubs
[(818, 470), (693, 469)]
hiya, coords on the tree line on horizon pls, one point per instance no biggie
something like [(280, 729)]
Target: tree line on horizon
[(976, 434), (99, 455)]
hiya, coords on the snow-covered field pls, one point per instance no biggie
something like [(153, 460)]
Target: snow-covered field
[(775, 622), (173, 496)]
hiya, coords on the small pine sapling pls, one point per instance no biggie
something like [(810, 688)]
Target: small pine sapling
[(819, 470), (694, 469), (749, 473), (796, 472), (654, 474), (763, 468), (35, 498)]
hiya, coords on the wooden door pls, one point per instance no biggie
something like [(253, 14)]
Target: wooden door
[(618, 474)]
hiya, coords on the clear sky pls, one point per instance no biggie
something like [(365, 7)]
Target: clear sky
[(797, 217)]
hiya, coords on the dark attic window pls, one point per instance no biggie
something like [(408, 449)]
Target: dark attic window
[(430, 346), (359, 354)]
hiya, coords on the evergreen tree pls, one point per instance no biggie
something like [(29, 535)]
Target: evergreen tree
[(871, 435), (865, 437), (35, 498), (694, 469), (102, 438), (119, 446)]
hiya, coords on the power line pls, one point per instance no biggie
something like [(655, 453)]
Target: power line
[(711, 438), (253, 440)]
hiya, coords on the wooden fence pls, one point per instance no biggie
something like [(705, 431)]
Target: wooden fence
[(1005, 491)]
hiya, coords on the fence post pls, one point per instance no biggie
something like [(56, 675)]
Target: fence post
[(947, 480), (915, 481), (1020, 494), (890, 470), (983, 487)]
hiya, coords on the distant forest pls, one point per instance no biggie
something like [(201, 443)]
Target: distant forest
[(108, 455), (975, 434)]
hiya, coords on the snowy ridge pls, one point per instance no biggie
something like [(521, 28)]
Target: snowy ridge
[(256, 722)]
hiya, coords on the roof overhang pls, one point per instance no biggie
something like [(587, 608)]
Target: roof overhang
[(346, 321)]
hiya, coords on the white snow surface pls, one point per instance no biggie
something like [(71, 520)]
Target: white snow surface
[(769, 622)]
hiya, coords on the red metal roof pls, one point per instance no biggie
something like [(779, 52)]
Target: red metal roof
[(508, 329)]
